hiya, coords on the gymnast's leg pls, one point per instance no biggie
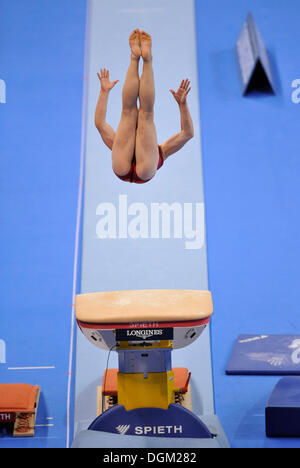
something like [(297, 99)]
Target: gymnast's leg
[(146, 139), (124, 141)]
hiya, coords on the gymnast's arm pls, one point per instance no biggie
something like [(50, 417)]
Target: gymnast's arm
[(106, 131), (177, 141)]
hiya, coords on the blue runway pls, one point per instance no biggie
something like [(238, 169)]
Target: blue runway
[(251, 171), (135, 249)]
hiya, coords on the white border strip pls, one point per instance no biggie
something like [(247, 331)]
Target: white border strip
[(78, 222)]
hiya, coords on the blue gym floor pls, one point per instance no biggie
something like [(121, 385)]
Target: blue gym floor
[(250, 159)]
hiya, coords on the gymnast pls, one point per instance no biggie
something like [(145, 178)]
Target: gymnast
[(136, 155)]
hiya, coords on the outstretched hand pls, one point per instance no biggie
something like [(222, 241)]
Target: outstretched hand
[(106, 84), (182, 92)]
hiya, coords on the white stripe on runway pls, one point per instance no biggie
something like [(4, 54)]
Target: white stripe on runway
[(31, 368)]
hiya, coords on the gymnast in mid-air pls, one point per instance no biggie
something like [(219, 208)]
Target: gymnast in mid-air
[(136, 155)]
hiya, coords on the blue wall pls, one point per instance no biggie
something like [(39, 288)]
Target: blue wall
[(251, 170)]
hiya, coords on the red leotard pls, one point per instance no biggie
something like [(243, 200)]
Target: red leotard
[(132, 176)]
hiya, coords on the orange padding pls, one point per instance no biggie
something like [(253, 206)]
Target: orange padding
[(110, 380), (17, 398)]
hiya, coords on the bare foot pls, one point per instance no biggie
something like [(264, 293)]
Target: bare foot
[(146, 44), (135, 45)]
